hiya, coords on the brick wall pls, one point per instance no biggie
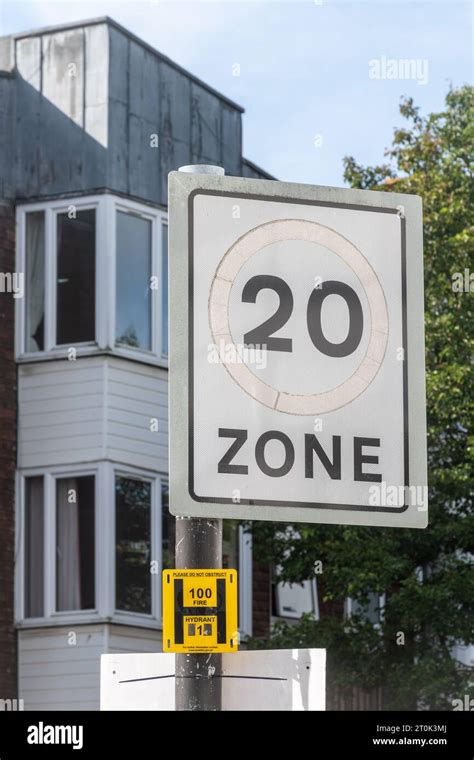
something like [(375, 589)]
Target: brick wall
[(8, 683)]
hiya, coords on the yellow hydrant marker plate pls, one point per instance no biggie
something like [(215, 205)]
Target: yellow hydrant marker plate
[(200, 611)]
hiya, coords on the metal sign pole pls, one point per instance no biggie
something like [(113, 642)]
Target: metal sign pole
[(198, 545)]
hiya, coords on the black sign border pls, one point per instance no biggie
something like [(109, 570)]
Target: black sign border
[(270, 502)]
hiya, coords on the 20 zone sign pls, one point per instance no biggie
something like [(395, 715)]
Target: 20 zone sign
[(297, 385)]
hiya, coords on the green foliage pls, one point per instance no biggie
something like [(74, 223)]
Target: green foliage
[(427, 575)]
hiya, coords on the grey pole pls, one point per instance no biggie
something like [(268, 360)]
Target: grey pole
[(198, 545)]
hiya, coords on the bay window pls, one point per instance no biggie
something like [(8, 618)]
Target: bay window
[(96, 278), (93, 543)]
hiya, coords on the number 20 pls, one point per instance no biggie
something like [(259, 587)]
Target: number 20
[(263, 334)]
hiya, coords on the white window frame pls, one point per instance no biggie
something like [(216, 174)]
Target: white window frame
[(106, 206), (123, 616), (349, 603), (245, 576), (104, 473), (310, 585), (51, 615)]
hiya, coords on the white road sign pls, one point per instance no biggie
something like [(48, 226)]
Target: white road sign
[(296, 353)]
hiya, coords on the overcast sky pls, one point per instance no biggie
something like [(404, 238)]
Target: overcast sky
[(303, 67)]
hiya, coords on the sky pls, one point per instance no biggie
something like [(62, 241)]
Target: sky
[(319, 79)]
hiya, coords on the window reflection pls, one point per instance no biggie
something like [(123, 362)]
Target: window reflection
[(75, 314), (133, 273), (34, 255), (132, 545), (164, 286)]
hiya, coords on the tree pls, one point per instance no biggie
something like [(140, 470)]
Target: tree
[(427, 576)]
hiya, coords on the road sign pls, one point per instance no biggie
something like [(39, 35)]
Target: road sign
[(297, 353), (200, 611)]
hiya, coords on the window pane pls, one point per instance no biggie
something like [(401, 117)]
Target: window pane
[(133, 272), (75, 315), (34, 548), (133, 545), (369, 610), (164, 291), (75, 556), (230, 544), (168, 529), (34, 264)]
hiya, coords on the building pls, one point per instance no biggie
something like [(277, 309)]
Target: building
[(92, 120)]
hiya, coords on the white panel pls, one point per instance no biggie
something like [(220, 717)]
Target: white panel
[(139, 375), (137, 431), (54, 446), (135, 416), (60, 412), (133, 390), (50, 419), (134, 406), (285, 679), (90, 409), (30, 406), (136, 393), (127, 639), (138, 459), (55, 675), (56, 639), (44, 389)]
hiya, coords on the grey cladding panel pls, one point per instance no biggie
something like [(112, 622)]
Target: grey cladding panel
[(144, 178), (6, 54), (104, 96), (118, 69), (175, 104), (6, 136), (118, 153), (63, 72), (28, 60), (96, 83), (205, 126), (144, 84), (172, 156), (231, 141), (54, 152), (28, 131), (28, 96)]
